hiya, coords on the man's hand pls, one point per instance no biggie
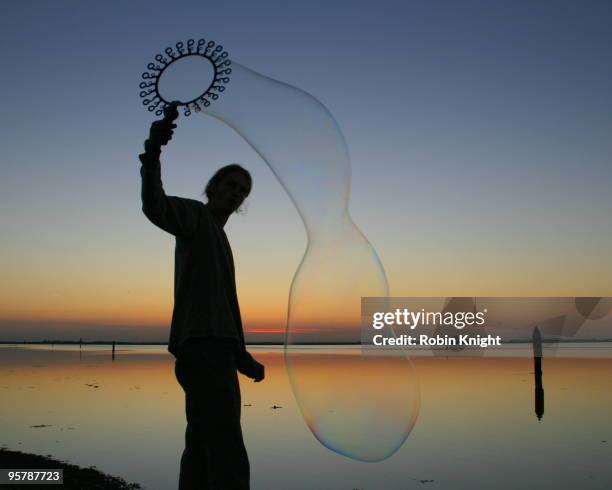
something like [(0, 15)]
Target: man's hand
[(250, 367), (259, 371), (160, 134)]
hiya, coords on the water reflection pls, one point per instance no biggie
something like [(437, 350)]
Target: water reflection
[(473, 417)]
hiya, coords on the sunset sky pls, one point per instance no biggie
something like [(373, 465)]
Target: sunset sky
[(479, 134)]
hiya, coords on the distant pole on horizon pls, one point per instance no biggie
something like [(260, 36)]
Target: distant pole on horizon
[(113, 350), (537, 373)]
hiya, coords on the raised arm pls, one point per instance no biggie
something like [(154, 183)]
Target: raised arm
[(175, 215)]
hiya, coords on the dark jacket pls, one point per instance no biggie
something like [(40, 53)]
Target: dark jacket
[(205, 300)]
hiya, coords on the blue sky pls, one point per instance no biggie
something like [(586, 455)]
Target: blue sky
[(479, 134)]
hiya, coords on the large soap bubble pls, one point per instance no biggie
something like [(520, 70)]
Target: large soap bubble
[(362, 406)]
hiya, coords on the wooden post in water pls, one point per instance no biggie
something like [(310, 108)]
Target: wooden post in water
[(113, 350), (537, 373)]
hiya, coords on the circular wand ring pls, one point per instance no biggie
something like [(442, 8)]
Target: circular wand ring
[(213, 52)]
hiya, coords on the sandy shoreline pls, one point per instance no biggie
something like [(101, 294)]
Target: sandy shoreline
[(75, 478)]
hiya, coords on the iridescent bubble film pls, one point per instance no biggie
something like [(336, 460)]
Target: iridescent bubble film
[(362, 406)]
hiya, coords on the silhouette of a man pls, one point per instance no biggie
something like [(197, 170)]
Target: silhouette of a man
[(206, 335)]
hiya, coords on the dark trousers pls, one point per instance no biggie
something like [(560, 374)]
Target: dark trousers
[(214, 457)]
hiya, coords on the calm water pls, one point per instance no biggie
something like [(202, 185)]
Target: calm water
[(476, 427)]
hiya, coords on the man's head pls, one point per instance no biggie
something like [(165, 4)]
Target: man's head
[(228, 188)]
